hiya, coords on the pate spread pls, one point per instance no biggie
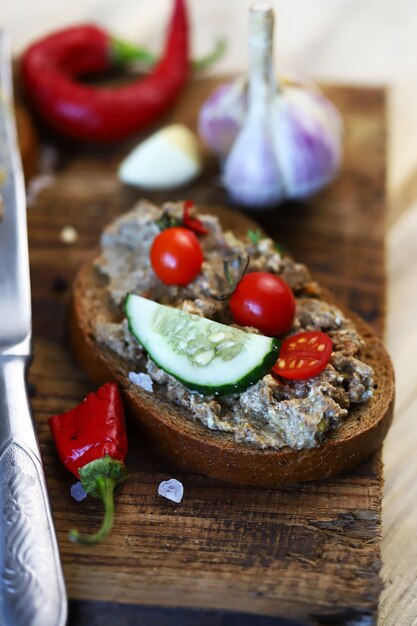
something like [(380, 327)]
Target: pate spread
[(272, 413)]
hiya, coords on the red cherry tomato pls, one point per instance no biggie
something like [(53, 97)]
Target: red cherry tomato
[(264, 301), (176, 256), (303, 356)]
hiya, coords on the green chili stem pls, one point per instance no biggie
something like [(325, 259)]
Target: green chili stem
[(105, 487), (124, 52), (213, 56)]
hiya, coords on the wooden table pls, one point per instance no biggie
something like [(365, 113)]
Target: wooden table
[(309, 553), (340, 41), (398, 605)]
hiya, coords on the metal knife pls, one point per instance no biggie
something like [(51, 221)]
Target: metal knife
[(32, 590)]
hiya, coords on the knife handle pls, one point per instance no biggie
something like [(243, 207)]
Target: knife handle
[(32, 591)]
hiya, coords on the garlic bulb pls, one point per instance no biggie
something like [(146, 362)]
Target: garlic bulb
[(222, 116), (251, 171), (168, 159), (308, 133), (289, 142)]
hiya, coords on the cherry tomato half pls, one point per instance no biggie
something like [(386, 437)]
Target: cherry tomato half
[(264, 301), (176, 256), (303, 356)]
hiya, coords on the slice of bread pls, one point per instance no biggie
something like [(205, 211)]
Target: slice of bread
[(216, 454)]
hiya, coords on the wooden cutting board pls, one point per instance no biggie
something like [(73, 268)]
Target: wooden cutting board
[(305, 554)]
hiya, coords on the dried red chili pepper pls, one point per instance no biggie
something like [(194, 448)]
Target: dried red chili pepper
[(92, 444), (51, 67), (187, 221), (190, 222)]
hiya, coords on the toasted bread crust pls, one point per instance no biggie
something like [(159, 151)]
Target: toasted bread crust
[(216, 454)]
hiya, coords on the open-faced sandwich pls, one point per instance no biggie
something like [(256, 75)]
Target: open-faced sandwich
[(233, 360)]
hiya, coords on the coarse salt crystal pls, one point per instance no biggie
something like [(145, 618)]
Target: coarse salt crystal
[(171, 489), (141, 380), (77, 492), (68, 234)]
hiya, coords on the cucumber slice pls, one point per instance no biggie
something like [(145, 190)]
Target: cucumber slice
[(205, 356)]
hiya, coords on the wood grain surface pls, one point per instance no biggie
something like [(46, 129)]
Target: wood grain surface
[(307, 553)]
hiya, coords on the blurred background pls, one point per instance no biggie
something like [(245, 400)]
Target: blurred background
[(338, 41), (341, 41)]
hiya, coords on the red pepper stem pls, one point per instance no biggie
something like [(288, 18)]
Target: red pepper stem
[(123, 52), (105, 487), (99, 478), (218, 51)]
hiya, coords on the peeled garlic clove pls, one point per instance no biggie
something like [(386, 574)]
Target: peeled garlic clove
[(168, 159), (308, 140), (222, 115)]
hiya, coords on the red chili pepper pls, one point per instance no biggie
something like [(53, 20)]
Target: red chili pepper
[(51, 67), (192, 222), (92, 444)]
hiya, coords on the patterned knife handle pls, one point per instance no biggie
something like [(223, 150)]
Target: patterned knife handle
[(32, 591)]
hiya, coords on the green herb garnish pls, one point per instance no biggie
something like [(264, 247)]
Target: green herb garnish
[(167, 221), (254, 236)]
